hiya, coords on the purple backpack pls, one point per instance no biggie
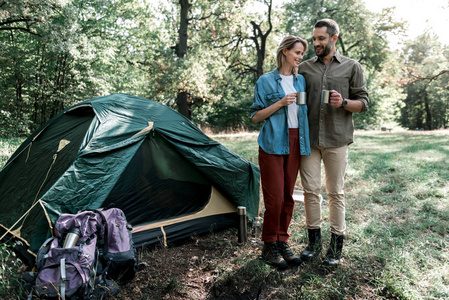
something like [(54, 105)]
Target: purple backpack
[(89, 251), (117, 252), (70, 272)]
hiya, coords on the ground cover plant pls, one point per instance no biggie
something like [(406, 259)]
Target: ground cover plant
[(397, 247)]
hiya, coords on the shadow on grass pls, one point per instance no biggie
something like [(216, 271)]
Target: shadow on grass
[(309, 281)]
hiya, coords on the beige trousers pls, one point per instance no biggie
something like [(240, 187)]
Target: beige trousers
[(335, 161)]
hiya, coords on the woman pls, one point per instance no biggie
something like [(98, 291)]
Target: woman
[(284, 137)]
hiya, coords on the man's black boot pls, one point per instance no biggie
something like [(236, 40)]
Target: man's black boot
[(313, 249), (287, 254), (272, 256), (333, 256)]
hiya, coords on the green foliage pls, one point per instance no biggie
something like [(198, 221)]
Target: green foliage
[(57, 53), (386, 96), (426, 72), (10, 274), (231, 110), (73, 55), (8, 146), (362, 33)]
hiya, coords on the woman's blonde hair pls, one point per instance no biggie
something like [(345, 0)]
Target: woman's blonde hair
[(288, 43)]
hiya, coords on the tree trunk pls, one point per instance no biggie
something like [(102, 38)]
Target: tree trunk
[(446, 114), (183, 104), (428, 112), (182, 100), (261, 57), (261, 45), (184, 23)]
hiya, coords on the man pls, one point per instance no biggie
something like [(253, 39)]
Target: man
[(331, 130)]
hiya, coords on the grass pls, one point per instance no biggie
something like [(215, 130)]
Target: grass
[(397, 246)]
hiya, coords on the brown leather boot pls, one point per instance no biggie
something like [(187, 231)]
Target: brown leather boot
[(287, 254), (272, 256)]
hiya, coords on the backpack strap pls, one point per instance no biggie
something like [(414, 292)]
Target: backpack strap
[(104, 240), (63, 278), (104, 249), (42, 254)]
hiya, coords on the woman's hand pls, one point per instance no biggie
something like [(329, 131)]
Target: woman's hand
[(288, 99), (268, 111)]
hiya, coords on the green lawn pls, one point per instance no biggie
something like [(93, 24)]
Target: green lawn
[(397, 187)]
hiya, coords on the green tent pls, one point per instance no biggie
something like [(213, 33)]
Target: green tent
[(169, 178)]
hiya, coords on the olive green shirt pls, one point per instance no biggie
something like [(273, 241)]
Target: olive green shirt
[(329, 126)]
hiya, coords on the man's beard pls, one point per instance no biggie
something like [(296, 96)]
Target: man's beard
[(326, 50)]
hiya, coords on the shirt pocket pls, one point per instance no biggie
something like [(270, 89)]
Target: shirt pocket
[(272, 98), (340, 84)]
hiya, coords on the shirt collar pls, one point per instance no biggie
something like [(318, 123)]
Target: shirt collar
[(337, 57), (277, 76)]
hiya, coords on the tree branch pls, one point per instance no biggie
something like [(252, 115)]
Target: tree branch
[(431, 78), (14, 21), (205, 17), (20, 28), (248, 68), (270, 25)]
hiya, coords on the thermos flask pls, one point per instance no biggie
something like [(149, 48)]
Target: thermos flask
[(243, 231), (72, 237)]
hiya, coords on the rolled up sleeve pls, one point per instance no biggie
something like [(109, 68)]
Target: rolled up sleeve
[(257, 103), (357, 88)]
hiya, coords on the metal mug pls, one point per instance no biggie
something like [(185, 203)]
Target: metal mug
[(301, 98), (325, 96)]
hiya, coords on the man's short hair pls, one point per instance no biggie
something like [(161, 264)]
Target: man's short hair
[(332, 26)]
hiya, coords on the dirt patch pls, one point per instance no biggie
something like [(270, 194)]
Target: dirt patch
[(216, 267), (189, 270)]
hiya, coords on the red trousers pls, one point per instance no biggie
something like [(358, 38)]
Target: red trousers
[(278, 175)]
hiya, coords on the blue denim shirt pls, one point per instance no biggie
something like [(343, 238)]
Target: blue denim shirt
[(273, 137)]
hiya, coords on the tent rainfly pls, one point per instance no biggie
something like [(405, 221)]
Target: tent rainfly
[(168, 177)]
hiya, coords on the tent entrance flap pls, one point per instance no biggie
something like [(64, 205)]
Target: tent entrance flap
[(159, 184)]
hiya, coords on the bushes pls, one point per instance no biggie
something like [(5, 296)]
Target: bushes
[(10, 273)]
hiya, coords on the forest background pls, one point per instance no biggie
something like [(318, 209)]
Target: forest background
[(202, 58)]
